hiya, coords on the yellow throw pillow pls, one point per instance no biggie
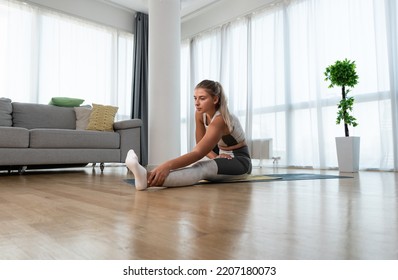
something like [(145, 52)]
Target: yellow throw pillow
[(102, 117)]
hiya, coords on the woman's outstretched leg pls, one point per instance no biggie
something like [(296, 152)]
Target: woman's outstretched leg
[(189, 176), (140, 174)]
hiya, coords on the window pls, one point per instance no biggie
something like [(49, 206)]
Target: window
[(271, 64), (45, 54)]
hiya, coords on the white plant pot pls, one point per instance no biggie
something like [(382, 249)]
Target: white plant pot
[(348, 153)]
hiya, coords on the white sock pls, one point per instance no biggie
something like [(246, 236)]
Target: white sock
[(140, 174)]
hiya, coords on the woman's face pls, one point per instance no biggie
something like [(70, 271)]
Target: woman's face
[(204, 102)]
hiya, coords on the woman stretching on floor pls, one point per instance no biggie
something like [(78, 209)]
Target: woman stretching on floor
[(214, 126)]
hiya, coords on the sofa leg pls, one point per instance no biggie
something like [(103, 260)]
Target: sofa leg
[(102, 166), (22, 170)]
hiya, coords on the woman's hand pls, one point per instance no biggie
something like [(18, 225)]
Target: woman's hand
[(158, 175), (224, 156)]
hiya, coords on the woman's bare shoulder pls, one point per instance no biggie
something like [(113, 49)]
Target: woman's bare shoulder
[(218, 122)]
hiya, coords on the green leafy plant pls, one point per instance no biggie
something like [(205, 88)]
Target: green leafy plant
[(343, 74)]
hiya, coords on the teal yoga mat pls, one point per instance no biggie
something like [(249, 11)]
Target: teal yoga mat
[(271, 177)]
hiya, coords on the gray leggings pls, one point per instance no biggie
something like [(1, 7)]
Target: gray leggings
[(219, 169)]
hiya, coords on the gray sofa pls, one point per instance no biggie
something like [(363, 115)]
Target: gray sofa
[(44, 136)]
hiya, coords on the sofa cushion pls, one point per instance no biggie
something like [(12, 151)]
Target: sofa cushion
[(30, 115), (102, 117), (5, 112), (14, 137), (65, 138)]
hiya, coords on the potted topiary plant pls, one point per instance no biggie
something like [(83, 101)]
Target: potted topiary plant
[(343, 74)]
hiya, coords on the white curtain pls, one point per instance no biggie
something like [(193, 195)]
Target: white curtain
[(44, 54), (271, 64)]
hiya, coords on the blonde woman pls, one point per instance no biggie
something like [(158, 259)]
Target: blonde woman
[(215, 127)]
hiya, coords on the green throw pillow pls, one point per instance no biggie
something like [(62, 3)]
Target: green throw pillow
[(66, 101)]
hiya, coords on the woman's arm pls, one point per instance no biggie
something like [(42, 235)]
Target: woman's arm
[(203, 147), (200, 131)]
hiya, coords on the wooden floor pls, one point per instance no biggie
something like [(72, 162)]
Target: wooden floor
[(83, 214)]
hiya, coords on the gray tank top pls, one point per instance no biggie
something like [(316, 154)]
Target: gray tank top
[(237, 134)]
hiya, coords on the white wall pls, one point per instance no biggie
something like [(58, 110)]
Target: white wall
[(102, 12), (96, 11), (217, 14), (164, 81)]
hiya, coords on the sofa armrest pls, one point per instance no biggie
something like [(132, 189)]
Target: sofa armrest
[(130, 137), (127, 124)]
